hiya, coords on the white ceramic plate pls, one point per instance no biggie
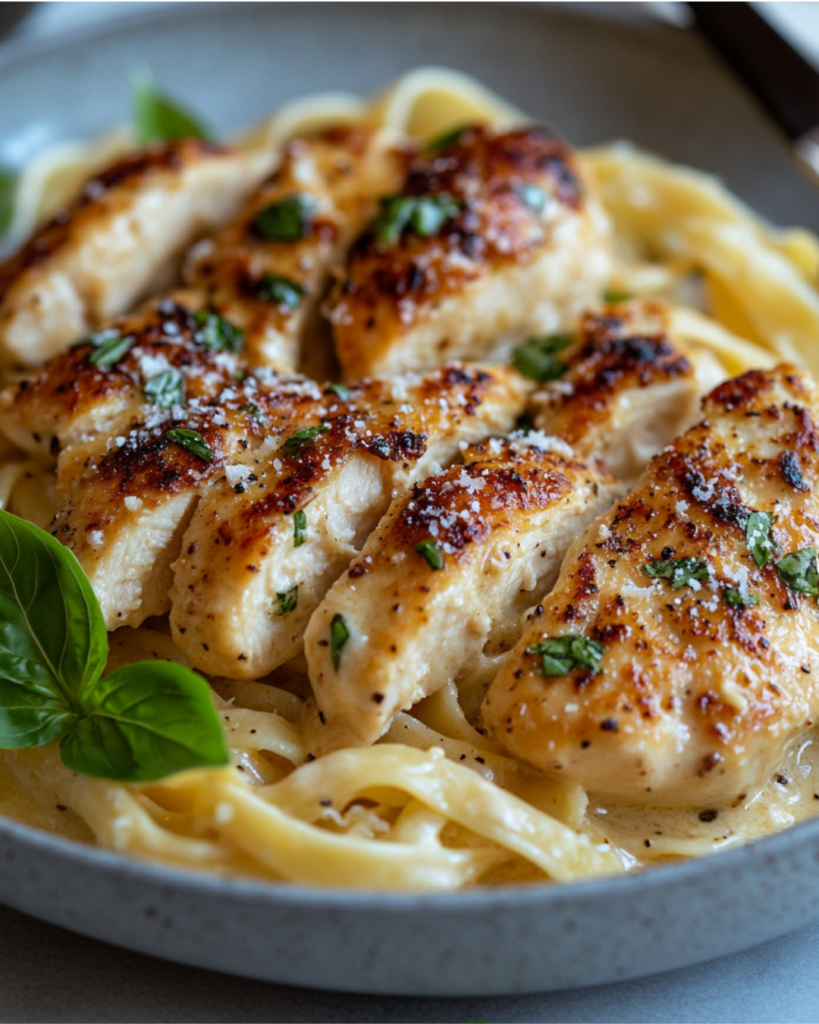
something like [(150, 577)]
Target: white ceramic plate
[(593, 80)]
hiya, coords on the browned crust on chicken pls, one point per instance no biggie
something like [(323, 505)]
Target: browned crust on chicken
[(697, 698)]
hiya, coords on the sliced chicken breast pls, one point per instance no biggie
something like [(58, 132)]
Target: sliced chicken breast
[(624, 388), (122, 238), (678, 655), (445, 578), (268, 269), (493, 237), (268, 540)]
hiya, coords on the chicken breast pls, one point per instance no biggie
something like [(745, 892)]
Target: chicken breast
[(678, 655), (446, 578), (493, 237), (623, 389), (266, 543), (122, 238), (268, 269)]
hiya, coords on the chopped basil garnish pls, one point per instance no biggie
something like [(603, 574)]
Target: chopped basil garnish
[(446, 139), (341, 391), (285, 221), (191, 440), (299, 527), (798, 571), (281, 290), (536, 358), (138, 724), (109, 347), (158, 118), (680, 571), (288, 600), (253, 411), (8, 196), (617, 296), (423, 215), (738, 599), (213, 332), (533, 196), (304, 438), (428, 549), (758, 537), (339, 635), (562, 654), (166, 389)]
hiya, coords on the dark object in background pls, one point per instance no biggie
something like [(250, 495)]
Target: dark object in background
[(12, 14)]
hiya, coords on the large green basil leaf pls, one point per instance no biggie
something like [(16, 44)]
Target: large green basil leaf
[(52, 635), (8, 196), (158, 118), (146, 721)]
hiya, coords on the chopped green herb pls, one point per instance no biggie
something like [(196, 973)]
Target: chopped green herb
[(533, 196), (536, 359), (617, 296), (288, 600), (281, 290), (523, 424), (253, 411), (341, 391), (158, 118), (109, 347), (562, 654), (191, 440), (214, 332), (758, 537), (428, 549), (339, 635), (738, 599), (299, 527), (166, 389), (8, 196), (285, 221), (798, 571), (447, 139), (423, 215), (680, 571), (304, 438)]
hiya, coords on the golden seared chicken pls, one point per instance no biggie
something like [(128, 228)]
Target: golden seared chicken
[(270, 538), (268, 269), (493, 237), (140, 417), (121, 239), (446, 577), (622, 388), (678, 654)]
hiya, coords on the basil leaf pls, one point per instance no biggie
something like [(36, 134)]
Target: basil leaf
[(536, 359), (758, 537), (798, 571), (143, 722), (281, 290), (299, 527), (425, 215), (109, 347), (562, 654), (304, 438), (288, 601), (285, 221), (339, 635), (428, 549), (532, 195), (737, 599), (158, 118), (680, 571), (617, 296), (253, 411), (431, 213), (8, 197), (191, 440), (52, 635), (214, 332), (341, 391), (447, 139), (166, 389)]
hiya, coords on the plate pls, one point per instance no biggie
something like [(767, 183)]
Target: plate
[(593, 79)]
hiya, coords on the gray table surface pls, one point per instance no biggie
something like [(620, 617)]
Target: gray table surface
[(50, 974)]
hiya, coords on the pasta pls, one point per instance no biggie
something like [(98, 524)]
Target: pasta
[(435, 804)]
